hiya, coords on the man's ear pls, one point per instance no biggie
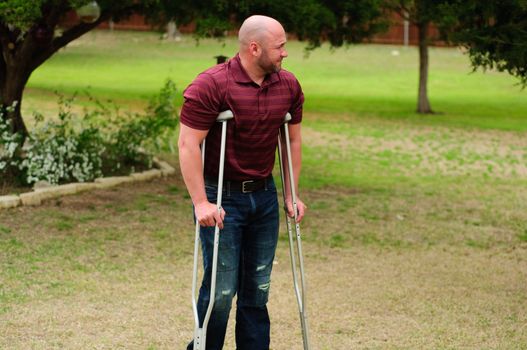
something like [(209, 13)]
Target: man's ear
[(254, 48)]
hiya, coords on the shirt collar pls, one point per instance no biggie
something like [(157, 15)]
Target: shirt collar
[(240, 75)]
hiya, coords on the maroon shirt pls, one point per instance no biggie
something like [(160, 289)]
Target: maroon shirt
[(258, 114)]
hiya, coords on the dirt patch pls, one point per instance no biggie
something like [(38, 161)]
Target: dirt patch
[(112, 269), (316, 138), (358, 299), (428, 151)]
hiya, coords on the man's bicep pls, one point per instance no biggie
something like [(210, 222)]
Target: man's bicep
[(190, 137), (297, 103), (202, 103), (295, 133)]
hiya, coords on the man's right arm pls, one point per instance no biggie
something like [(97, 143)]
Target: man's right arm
[(192, 170)]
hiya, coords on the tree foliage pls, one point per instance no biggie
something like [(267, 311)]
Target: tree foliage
[(29, 36), (314, 21), (494, 33)]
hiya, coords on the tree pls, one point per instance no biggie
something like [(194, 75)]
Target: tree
[(28, 29), (28, 37), (352, 21), (494, 33), (422, 13), (315, 21), (340, 22)]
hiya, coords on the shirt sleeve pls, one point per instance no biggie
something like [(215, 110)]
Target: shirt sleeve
[(298, 103), (202, 102)]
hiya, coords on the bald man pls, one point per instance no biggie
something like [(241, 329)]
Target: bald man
[(259, 92)]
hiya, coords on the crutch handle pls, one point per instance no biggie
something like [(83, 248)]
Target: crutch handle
[(224, 116), (287, 117)]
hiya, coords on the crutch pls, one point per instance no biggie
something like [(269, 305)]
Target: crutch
[(300, 291), (200, 333)]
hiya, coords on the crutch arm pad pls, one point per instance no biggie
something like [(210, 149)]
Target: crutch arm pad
[(225, 115)]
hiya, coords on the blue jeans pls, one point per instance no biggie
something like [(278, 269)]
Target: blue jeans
[(246, 252)]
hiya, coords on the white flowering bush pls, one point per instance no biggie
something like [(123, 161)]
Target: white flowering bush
[(9, 144), (57, 151), (59, 158)]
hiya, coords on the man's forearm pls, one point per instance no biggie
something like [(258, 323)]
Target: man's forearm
[(296, 155), (207, 214), (295, 142), (190, 162), (192, 171)]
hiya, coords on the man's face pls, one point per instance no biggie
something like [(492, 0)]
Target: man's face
[(273, 52)]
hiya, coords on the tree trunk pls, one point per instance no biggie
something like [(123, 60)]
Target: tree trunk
[(3, 73), (12, 85), (17, 67), (423, 104), (19, 58)]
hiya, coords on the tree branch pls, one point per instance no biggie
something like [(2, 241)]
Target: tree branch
[(74, 33), (404, 11), (400, 8), (77, 31), (66, 37), (401, 12)]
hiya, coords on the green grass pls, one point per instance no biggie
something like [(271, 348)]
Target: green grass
[(364, 80), (360, 131), (361, 98)]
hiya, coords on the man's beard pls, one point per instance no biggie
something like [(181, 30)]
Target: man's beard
[(267, 66)]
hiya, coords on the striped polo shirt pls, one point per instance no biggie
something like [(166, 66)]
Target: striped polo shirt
[(258, 114)]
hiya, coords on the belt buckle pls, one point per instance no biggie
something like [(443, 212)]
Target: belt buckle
[(244, 183)]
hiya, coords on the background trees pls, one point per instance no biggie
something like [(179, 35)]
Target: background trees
[(422, 13), (30, 34), (494, 32)]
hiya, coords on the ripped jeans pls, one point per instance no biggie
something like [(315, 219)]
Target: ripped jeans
[(245, 259)]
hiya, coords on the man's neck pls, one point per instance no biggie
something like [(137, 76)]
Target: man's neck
[(255, 73)]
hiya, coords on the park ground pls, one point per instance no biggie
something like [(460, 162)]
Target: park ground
[(416, 236)]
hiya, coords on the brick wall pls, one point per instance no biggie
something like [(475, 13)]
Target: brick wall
[(394, 35), (134, 22)]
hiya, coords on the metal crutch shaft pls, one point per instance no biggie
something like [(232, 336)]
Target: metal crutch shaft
[(300, 294), (200, 333)]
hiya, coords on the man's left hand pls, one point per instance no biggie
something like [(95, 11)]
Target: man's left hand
[(300, 206)]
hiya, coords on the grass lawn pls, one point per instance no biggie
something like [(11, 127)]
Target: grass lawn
[(368, 80), (416, 236)]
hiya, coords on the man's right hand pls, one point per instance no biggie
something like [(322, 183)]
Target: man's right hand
[(207, 214)]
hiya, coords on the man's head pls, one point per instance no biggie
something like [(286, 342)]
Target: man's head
[(262, 43)]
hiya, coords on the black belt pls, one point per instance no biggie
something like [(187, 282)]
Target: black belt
[(246, 186)]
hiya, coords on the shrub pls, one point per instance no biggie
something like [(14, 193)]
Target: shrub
[(103, 141), (136, 135), (57, 151)]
